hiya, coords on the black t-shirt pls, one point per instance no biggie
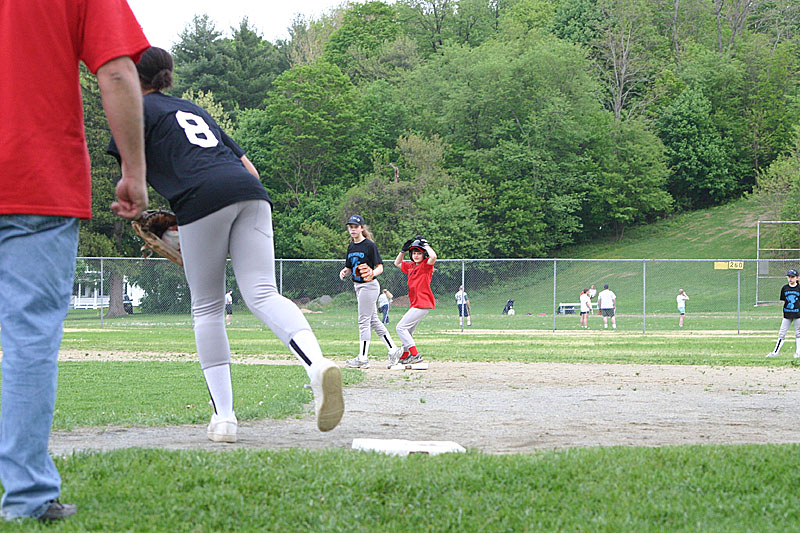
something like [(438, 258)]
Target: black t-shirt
[(790, 296), (191, 161), (364, 252)]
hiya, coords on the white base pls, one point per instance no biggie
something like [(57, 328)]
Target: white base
[(414, 366), (403, 447)]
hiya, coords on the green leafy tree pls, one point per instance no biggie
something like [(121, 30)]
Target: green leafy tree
[(308, 37), (778, 186), (428, 22), (700, 173), (530, 14), (239, 71), (254, 63), (308, 136), (364, 29), (201, 63), (629, 178), (578, 21)]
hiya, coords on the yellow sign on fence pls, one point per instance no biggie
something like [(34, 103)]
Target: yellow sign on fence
[(726, 265)]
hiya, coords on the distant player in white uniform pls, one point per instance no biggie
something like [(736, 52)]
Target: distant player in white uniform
[(222, 208), (363, 251), (462, 301), (681, 300), (384, 301), (586, 308), (607, 302)]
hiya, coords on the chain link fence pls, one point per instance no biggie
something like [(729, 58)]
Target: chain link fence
[(543, 293)]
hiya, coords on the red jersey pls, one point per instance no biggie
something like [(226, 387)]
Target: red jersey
[(44, 162), (419, 284)]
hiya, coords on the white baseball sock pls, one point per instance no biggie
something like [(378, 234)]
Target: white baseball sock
[(218, 380), (778, 346), (387, 340), (363, 351), (305, 346)]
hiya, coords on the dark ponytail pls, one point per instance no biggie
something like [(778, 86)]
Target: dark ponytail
[(155, 69)]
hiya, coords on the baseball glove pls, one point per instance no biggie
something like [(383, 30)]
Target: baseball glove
[(365, 272), (151, 226)]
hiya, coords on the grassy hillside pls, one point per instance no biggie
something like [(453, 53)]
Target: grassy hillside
[(724, 232)]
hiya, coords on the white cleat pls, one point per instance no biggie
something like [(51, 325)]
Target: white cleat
[(328, 399), (394, 356), (797, 355), (357, 362), (772, 354), (223, 429)]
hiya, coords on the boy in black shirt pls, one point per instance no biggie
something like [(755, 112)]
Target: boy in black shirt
[(790, 296)]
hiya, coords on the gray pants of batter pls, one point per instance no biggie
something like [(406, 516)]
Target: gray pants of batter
[(244, 230), (367, 294), (405, 328)]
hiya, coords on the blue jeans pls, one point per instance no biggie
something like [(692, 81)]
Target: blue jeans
[(385, 311), (37, 266)]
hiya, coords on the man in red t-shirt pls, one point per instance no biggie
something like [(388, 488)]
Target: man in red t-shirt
[(44, 190), (420, 273)]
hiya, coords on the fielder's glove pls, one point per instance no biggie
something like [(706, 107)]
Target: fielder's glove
[(407, 245), (365, 272), (150, 226)]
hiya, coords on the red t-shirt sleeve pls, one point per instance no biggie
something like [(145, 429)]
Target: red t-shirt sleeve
[(110, 30), (405, 267)]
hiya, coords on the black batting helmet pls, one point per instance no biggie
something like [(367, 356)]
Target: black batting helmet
[(417, 244)]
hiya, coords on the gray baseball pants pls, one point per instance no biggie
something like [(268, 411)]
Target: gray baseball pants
[(405, 328), (244, 230), (367, 294)]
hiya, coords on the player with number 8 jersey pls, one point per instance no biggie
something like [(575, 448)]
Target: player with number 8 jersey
[(222, 208)]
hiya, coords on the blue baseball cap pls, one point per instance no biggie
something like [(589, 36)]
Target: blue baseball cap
[(792, 272), (358, 220)]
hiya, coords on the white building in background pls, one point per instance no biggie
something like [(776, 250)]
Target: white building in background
[(86, 294)]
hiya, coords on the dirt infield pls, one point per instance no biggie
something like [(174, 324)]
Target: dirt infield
[(512, 407)]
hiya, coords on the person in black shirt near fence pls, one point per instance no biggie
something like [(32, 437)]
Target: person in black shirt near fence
[(790, 296)]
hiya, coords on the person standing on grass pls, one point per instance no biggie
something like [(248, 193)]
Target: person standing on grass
[(46, 182), (228, 307), (592, 292), (384, 300), (607, 302), (462, 301), (586, 308), (681, 298), (223, 209), (363, 263), (790, 296)]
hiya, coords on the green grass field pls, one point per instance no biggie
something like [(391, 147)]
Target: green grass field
[(688, 488)]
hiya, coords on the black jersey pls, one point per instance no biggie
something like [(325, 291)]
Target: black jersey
[(363, 252), (790, 296), (191, 161)]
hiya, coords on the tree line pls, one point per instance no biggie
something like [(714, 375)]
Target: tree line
[(496, 128)]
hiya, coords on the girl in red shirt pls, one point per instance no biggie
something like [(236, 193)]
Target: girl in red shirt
[(419, 272)]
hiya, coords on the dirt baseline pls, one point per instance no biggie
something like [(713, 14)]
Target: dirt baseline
[(514, 407)]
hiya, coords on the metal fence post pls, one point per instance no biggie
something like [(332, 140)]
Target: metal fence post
[(463, 289), (280, 261), (739, 300), (555, 262), (101, 292), (644, 295)]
